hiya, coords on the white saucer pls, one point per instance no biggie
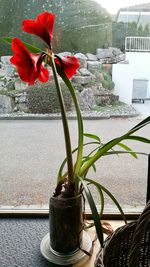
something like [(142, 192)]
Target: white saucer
[(65, 259)]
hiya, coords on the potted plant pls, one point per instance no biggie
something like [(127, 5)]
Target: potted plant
[(66, 220)]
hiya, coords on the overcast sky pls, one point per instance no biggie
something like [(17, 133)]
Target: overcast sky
[(113, 6)]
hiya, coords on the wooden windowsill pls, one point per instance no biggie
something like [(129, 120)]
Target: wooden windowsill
[(89, 261)]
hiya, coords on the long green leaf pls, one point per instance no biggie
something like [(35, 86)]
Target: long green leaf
[(109, 194), (139, 138), (31, 48), (143, 122), (115, 201), (95, 214), (86, 159), (111, 144), (60, 176), (117, 152), (101, 196), (93, 136), (140, 125), (127, 148)]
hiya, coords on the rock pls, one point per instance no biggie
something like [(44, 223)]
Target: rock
[(80, 55), (115, 51), (10, 85), (20, 85), (86, 99), (82, 59), (84, 72), (94, 66), (78, 87), (5, 60), (108, 60), (83, 80), (121, 57), (124, 62), (2, 86), (9, 70), (2, 73), (20, 98), (104, 53), (22, 107), (64, 54), (99, 77), (91, 57), (7, 67), (110, 55), (95, 90), (6, 104), (104, 97), (77, 73)]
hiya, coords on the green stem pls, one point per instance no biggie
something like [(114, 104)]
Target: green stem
[(79, 120), (65, 124), (62, 176)]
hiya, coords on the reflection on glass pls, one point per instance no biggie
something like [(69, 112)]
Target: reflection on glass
[(101, 33)]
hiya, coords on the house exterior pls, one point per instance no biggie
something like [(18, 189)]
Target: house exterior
[(138, 13), (132, 76)]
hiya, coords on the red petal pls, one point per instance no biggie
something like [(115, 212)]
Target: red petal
[(42, 26), (27, 76), (43, 75), (19, 48), (70, 65), (29, 65), (21, 58)]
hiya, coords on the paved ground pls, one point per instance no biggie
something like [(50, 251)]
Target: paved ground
[(142, 108), (31, 151)]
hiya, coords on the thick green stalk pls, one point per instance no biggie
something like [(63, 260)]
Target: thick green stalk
[(65, 124), (80, 123)]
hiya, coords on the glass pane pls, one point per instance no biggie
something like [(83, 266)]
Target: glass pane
[(112, 43), (128, 17)]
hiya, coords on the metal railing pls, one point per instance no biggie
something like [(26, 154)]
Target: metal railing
[(137, 44)]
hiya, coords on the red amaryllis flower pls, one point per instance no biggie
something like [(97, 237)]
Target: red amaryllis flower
[(69, 64), (29, 65), (42, 26)]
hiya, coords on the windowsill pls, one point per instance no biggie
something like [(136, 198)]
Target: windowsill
[(89, 262), (38, 211), (21, 237)]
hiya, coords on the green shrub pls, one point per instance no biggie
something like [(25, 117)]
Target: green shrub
[(107, 81), (42, 98)]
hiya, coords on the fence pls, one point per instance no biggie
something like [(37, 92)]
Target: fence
[(137, 44)]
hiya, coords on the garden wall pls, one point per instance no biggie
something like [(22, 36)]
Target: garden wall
[(92, 82)]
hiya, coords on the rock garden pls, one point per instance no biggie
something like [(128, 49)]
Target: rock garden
[(93, 85)]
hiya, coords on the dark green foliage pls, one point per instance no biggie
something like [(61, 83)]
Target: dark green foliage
[(107, 81), (81, 25), (42, 98)]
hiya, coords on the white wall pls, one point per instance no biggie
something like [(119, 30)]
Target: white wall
[(123, 74), (140, 62)]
